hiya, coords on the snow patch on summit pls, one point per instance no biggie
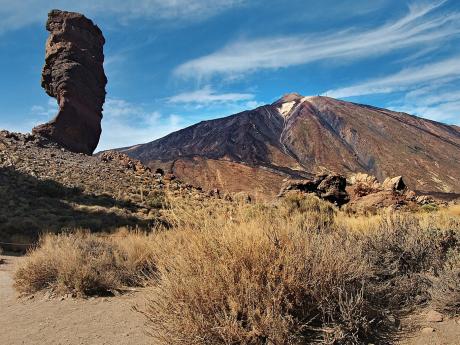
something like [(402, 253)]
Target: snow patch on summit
[(286, 108)]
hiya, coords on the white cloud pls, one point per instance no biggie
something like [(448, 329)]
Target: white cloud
[(417, 29), (126, 124), (430, 91), (17, 14), (207, 96), (411, 78), (123, 123), (48, 111), (437, 101), (447, 112)]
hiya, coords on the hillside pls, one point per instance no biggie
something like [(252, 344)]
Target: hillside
[(46, 188), (299, 136)]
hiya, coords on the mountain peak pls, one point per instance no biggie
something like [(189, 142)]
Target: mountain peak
[(289, 97), (255, 150), (290, 101)]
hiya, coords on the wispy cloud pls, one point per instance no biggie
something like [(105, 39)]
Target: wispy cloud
[(16, 14), (405, 80), (447, 112), (207, 96), (430, 90), (419, 27), (48, 111), (437, 101)]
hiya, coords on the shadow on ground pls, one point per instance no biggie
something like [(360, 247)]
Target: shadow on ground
[(29, 207)]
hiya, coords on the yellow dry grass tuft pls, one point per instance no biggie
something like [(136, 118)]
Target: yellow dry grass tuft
[(86, 264)]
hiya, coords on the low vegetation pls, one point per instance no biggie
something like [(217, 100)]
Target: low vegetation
[(296, 272), (85, 264)]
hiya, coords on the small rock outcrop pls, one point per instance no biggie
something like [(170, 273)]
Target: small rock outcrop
[(74, 75), (395, 184), (333, 189), (124, 161), (327, 187)]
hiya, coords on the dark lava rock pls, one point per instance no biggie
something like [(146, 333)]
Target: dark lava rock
[(74, 75), (332, 189)]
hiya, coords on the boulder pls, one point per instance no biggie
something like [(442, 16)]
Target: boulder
[(424, 200), (366, 179), (306, 186), (395, 184), (434, 316), (332, 189), (74, 75), (327, 187), (428, 330)]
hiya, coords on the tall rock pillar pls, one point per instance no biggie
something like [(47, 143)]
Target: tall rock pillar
[(74, 75)]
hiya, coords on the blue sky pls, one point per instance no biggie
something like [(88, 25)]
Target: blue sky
[(172, 63)]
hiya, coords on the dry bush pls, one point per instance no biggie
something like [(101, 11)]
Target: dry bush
[(85, 264), (253, 283), (404, 251), (295, 273), (446, 287)]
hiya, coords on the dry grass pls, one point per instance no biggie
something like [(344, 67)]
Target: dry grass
[(85, 264), (296, 272), (453, 210)]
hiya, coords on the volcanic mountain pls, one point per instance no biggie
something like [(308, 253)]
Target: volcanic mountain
[(297, 136)]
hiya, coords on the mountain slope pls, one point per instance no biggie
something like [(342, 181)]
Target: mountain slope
[(299, 136)]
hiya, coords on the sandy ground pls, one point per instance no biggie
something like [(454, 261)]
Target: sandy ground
[(445, 333), (71, 321), (113, 321)]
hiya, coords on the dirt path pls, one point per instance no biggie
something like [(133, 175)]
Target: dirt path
[(71, 321), (442, 333)]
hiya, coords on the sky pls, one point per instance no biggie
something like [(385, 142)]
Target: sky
[(172, 63)]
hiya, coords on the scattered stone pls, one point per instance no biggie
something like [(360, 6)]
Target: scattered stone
[(124, 161), (428, 330), (424, 200), (74, 75), (434, 316)]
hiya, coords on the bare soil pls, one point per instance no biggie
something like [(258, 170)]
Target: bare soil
[(443, 333), (40, 320)]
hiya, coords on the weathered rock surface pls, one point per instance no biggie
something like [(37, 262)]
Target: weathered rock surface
[(395, 184), (328, 187), (434, 316), (74, 75)]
